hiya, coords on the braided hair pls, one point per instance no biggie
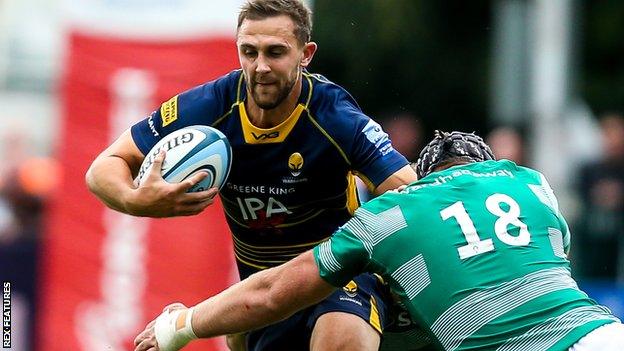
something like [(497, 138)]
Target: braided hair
[(451, 147)]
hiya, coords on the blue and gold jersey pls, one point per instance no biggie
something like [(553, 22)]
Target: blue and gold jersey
[(292, 185)]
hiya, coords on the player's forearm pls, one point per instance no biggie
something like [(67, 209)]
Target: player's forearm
[(248, 305), (110, 179), (403, 176), (264, 298)]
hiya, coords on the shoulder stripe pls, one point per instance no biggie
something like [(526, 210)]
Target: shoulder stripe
[(556, 241), (383, 224), (310, 88), (327, 258), (238, 87), (548, 333), (371, 229), (413, 276), (225, 115), (476, 310), (324, 132), (319, 77), (357, 228), (545, 194)]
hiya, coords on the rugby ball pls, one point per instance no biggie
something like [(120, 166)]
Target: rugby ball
[(191, 150)]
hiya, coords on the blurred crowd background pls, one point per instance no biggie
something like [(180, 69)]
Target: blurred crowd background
[(543, 80)]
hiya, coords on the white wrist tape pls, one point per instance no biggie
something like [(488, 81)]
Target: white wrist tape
[(173, 330)]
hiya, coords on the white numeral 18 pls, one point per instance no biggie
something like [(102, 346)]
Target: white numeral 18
[(475, 245)]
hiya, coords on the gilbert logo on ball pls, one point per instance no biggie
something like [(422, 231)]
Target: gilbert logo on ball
[(191, 150)]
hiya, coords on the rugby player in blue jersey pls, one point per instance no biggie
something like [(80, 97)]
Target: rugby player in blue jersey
[(298, 140)]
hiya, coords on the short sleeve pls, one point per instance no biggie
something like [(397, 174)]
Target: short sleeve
[(342, 257), (362, 141), (373, 155)]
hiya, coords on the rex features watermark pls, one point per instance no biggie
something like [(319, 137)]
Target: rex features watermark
[(6, 315)]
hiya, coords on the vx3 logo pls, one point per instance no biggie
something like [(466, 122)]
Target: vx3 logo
[(264, 136)]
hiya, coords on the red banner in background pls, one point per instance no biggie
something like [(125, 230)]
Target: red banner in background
[(105, 274)]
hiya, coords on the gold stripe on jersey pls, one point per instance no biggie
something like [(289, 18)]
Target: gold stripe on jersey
[(267, 261), (277, 134), (310, 88), (238, 258), (331, 140), (238, 101), (266, 256), (371, 187), (225, 115), (241, 79), (262, 252), (264, 260), (373, 319), (285, 225), (259, 248), (353, 202)]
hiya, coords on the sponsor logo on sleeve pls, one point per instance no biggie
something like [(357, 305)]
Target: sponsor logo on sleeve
[(169, 111), (377, 137), (150, 123)]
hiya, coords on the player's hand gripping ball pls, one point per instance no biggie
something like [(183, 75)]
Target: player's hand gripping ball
[(191, 150)]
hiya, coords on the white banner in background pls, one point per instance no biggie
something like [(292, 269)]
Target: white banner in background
[(153, 19)]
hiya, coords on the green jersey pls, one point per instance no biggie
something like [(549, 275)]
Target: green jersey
[(476, 253)]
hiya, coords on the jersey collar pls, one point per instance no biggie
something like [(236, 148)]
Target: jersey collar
[(277, 134)]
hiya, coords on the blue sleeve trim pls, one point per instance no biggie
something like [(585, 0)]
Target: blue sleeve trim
[(396, 162)]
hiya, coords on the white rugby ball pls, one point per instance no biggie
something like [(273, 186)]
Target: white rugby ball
[(191, 150)]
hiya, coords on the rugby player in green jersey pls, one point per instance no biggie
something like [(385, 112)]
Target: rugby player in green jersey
[(475, 250)]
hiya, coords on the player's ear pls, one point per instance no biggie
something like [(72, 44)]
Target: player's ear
[(309, 49)]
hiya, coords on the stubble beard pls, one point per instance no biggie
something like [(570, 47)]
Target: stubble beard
[(281, 95)]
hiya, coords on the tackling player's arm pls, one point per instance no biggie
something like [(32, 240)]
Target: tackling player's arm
[(110, 178), (264, 298), (401, 177)]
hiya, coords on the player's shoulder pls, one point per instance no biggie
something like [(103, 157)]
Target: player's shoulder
[(204, 103), (336, 111), (385, 203), (529, 174), (504, 169), (225, 89), (329, 102)]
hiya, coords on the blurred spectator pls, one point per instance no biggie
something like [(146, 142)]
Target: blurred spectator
[(599, 233), (406, 134), (506, 142), (25, 182)]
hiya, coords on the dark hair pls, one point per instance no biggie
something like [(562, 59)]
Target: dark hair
[(295, 9), (451, 148)]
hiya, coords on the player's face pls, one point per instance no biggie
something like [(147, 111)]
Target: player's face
[(271, 58)]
